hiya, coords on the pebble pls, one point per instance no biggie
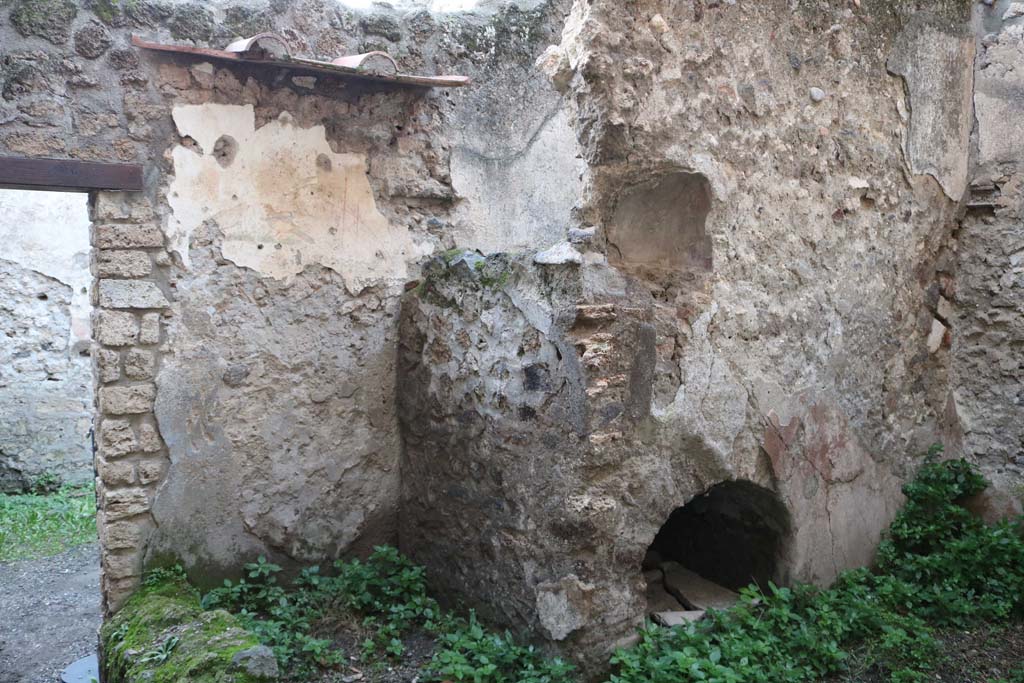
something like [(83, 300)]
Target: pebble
[(817, 94)]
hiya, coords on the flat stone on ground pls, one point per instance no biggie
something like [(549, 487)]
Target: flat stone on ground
[(83, 670), (670, 619), (694, 591)]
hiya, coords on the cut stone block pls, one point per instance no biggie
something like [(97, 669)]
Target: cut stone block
[(694, 591)]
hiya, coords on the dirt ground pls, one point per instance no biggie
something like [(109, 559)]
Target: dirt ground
[(49, 614), (984, 654)]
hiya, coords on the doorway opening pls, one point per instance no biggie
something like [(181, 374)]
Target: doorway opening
[(46, 387)]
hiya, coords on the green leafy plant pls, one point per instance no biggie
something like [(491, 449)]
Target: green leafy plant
[(469, 652), (162, 652), (388, 596), (939, 566)]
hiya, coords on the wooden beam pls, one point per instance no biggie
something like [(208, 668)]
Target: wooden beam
[(67, 175)]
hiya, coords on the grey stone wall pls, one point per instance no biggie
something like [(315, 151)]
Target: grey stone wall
[(248, 300)]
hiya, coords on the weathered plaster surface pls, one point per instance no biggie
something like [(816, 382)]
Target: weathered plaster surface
[(45, 375), (282, 198), (247, 400), (48, 232), (518, 197), (782, 334), (937, 63)]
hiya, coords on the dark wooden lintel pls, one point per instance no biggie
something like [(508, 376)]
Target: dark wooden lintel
[(67, 175)]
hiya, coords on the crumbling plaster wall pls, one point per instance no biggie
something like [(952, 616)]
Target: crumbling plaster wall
[(45, 376), (246, 337), (810, 355)]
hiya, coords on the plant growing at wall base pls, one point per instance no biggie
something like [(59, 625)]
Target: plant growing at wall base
[(939, 566), (387, 594)]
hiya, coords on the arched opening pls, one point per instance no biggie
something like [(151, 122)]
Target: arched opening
[(725, 539)]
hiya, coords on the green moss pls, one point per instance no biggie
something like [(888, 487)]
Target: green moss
[(107, 11), (49, 19), (446, 275), (162, 635)]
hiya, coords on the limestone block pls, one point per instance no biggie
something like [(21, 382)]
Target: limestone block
[(149, 438), (123, 503), (128, 236), (130, 400), (139, 364), (108, 365), (114, 328), (120, 263), (117, 592), (131, 294), (120, 206), (151, 471), (149, 331), (122, 565), (116, 438), (120, 535), (116, 472)]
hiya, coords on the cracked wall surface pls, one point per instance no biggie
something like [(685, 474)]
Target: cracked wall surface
[(45, 376)]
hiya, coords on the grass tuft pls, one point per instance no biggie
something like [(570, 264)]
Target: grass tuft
[(34, 525)]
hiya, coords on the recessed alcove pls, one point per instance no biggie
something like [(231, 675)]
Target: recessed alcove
[(658, 227), (731, 535)]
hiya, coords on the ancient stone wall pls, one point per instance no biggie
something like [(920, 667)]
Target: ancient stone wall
[(247, 300), (45, 377), (763, 282), (752, 294)]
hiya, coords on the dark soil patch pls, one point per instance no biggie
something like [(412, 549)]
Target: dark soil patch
[(348, 635)]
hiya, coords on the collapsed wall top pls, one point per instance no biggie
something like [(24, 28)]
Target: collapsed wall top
[(269, 49)]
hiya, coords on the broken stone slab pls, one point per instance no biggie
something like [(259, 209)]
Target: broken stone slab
[(694, 591), (558, 255), (678, 618)]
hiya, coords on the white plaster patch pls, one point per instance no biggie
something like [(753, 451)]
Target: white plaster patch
[(48, 232), (282, 199)]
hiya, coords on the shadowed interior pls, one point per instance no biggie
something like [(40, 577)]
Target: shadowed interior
[(731, 535)]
